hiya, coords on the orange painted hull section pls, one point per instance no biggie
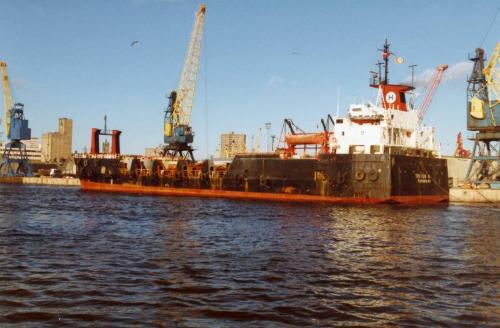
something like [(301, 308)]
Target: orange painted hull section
[(242, 195)]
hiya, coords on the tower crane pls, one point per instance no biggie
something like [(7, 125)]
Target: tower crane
[(431, 90), (14, 160), (178, 134)]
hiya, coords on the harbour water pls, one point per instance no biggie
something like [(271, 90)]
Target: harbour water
[(87, 259)]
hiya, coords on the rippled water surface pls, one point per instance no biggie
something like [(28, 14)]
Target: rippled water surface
[(85, 259)]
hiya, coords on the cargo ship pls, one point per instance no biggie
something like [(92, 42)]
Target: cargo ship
[(378, 153)]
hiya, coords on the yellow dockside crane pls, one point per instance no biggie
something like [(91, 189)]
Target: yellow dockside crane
[(14, 160), (7, 96), (178, 134)]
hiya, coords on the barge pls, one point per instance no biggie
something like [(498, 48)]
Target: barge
[(379, 153)]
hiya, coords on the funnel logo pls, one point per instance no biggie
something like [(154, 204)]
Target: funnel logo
[(390, 97)]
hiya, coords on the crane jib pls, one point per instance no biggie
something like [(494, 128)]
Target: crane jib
[(7, 97)]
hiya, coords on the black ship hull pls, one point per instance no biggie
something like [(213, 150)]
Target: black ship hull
[(330, 178)]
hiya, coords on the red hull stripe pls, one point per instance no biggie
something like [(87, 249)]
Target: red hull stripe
[(166, 191)]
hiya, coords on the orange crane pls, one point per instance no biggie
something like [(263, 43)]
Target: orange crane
[(460, 151), (297, 137), (430, 91)]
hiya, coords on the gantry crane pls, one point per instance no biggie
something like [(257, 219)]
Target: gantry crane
[(178, 134), (14, 160), (430, 91), (483, 116)]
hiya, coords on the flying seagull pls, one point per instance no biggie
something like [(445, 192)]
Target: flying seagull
[(295, 52), (134, 43)]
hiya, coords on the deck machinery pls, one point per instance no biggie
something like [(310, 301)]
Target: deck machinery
[(178, 134), (14, 160), (483, 117)]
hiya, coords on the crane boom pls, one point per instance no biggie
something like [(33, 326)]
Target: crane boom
[(7, 97), (189, 75), (431, 90), (492, 75)]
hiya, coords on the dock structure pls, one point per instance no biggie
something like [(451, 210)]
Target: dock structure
[(475, 195)]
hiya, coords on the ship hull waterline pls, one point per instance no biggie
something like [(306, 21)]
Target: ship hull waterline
[(125, 188)]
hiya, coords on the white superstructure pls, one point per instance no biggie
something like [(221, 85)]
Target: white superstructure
[(391, 125), (372, 129)]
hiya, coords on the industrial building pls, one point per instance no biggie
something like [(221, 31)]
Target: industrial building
[(57, 146), (232, 144), (153, 152), (33, 150)]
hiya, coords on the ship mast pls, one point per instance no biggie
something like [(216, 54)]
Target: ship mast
[(385, 55)]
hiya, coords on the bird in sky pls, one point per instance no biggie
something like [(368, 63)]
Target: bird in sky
[(295, 52), (134, 43)]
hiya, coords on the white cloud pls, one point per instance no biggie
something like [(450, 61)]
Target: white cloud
[(456, 72), (459, 71), (274, 81)]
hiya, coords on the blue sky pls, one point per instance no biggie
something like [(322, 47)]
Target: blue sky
[(262, 61)]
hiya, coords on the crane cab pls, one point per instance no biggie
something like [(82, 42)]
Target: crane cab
[(18, 125), (179, 134)]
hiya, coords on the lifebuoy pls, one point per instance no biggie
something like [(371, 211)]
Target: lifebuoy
[(360, 175), (373, 175)]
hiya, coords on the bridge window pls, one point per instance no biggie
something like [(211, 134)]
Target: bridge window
[(402, 97)]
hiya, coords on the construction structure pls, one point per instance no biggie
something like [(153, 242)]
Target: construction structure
[(14, 160), (57, 146), (232, 144), (483, 117), (178, 134)]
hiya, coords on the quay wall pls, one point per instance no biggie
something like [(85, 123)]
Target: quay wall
[(475, 195)]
